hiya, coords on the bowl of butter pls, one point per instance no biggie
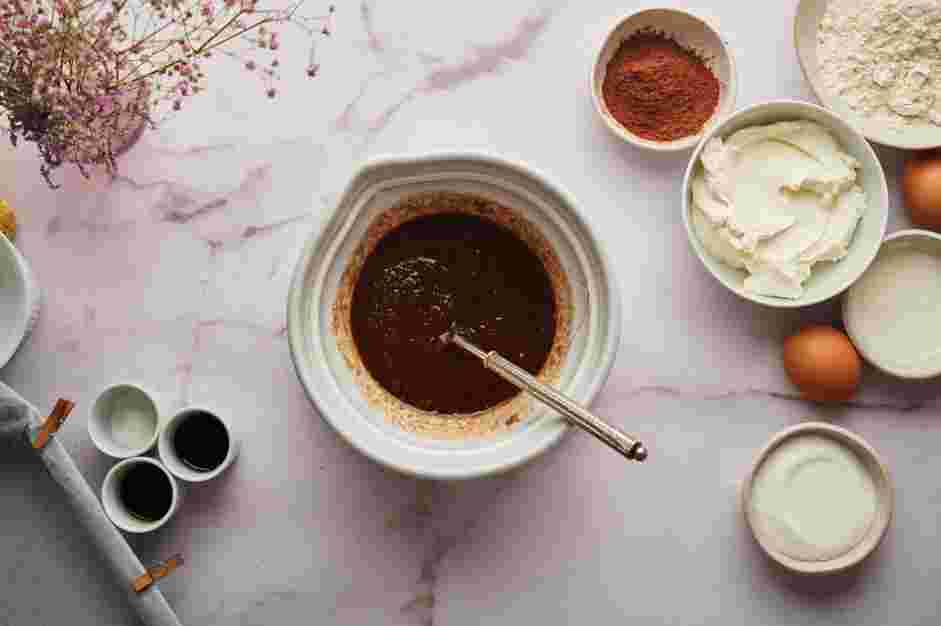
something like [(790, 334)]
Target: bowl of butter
[(785, 204)]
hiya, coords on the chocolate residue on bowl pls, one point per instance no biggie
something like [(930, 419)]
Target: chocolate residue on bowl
[(509, 403)]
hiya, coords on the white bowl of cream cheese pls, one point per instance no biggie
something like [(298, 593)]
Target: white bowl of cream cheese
[(818, 499), (785, 204)]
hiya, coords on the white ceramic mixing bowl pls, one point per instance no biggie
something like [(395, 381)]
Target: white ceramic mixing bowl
[(328, 378)]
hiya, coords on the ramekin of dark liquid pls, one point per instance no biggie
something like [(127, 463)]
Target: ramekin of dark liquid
[(197, 445), (139, 495)]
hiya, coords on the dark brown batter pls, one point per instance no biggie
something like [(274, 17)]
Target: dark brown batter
[(444, 269)]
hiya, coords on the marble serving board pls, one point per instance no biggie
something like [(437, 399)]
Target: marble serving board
[(175, 275)]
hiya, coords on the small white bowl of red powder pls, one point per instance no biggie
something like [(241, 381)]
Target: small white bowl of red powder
[(661, 78)]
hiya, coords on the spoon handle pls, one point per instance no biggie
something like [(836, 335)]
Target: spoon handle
[(615, 438)]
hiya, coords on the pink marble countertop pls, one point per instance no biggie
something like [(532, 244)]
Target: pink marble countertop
[(175, 275)]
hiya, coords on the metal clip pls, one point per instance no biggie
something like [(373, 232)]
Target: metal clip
[(155, 573), (53, 423)]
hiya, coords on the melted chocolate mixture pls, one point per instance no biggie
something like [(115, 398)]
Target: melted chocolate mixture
[(446, 269)]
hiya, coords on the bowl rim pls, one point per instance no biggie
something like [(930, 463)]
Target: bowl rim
[(696, 245), (725, 107), (544, 436), (26, 307), (885, 492), (908, 233), (822, 97)]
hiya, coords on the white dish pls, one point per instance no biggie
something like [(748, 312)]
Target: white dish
[(19, 300), (331, 384), (827, 279), (806, 21), (919, 324), (122, 411), (884, 500), (690, 31)]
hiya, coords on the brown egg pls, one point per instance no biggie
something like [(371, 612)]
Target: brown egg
[(823, 363), (922, 189)]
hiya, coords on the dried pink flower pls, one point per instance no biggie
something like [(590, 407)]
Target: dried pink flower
[(105, 104), (79, 76)]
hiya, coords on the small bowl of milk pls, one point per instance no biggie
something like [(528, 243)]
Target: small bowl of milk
[(818, 499), (891, 312)]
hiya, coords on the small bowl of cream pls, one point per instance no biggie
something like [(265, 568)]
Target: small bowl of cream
[(891, 313), (818, 499)]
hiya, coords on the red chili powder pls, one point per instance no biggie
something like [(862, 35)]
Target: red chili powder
[(659, 90)]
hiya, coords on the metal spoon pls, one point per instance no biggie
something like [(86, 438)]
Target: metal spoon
[(575, 413)]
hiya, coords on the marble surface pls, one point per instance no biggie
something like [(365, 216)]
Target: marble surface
[(175, 275)]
